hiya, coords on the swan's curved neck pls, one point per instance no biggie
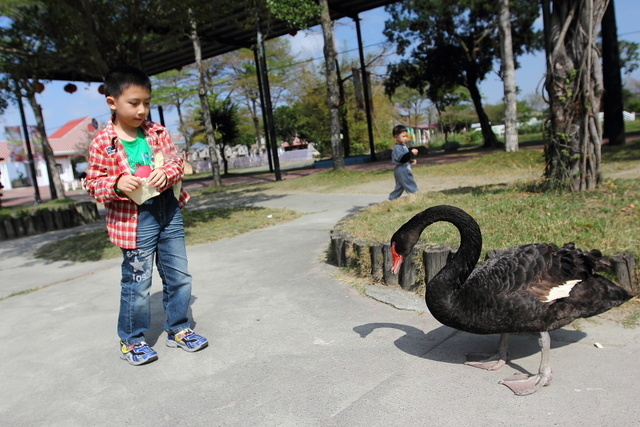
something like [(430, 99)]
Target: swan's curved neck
[(442, 288), (467, 255)]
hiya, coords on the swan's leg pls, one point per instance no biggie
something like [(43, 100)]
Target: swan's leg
[(490, 362), (522, 384)]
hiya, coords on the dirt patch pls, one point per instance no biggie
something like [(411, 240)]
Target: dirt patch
[(628, 314)]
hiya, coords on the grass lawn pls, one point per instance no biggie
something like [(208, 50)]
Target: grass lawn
[(606, 219), (200, 226)]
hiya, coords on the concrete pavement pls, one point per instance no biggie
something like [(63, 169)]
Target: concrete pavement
[(290, 346)]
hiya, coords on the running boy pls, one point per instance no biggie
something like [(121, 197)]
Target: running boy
[(401, 157), (132, 153)]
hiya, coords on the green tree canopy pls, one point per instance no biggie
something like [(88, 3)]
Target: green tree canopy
[(447, 44)]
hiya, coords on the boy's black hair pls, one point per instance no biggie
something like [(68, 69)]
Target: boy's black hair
[(120, 78), (398, 129)]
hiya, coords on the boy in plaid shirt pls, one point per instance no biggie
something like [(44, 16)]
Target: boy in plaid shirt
[(133, 156)]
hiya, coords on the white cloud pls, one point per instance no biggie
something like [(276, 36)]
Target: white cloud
[(308, 43)]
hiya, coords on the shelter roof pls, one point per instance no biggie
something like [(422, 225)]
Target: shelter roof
[(222, 35)]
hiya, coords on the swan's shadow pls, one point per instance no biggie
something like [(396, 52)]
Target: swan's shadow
[(445, 344)]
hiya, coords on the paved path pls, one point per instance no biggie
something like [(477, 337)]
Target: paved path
[(24, 196), (290, 346)]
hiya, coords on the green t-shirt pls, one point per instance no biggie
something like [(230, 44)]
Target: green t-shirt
[(138, 152)]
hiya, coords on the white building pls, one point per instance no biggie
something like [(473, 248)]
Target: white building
[(69, 142)]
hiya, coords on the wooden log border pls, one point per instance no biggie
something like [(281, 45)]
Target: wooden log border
[(79, 213), (373, 259)]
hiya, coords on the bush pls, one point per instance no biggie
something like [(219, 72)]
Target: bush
[(530, 128)]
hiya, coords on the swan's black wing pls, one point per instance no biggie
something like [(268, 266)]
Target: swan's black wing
[(536, 287)]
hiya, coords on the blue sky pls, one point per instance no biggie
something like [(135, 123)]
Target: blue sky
[(59, 107)]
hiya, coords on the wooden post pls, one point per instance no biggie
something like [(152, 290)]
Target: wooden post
[(624, 266), (435, 257), (9, 228), (337, 248), (388, 277), (377, 261), (410, 277), (359, 259), (347, 251), (18, 226)]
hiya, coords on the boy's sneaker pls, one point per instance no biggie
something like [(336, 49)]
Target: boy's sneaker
[(187, 340), (137, 354)]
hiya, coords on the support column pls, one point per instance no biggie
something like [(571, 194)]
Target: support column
[(365, 89), (264, 115), (161, 115), (267, 107)]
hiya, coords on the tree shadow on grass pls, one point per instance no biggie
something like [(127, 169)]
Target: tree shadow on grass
[(80, 247)]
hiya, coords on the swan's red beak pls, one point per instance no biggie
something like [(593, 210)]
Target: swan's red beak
[(396, 260)]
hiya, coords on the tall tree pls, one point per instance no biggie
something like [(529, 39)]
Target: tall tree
[(236, 75), (176, 89), (509, 79), (412, 106), (70, 38), (612, 107), (333, 90), (224, 117), (454, 44), (574, 85), (204, 101), (25, 53)]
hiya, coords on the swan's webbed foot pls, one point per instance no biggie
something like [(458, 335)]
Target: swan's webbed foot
[(487, 361), (490, 362), (523, 384)]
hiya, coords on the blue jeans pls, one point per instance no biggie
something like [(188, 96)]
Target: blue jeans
[(404, 181), (160, 233)]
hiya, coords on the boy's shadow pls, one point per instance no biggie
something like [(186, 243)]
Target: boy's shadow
[(158, 318)]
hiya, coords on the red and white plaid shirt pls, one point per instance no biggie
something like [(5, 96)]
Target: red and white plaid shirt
[(108, 161)]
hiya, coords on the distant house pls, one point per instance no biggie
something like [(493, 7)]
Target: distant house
[(69, 144)]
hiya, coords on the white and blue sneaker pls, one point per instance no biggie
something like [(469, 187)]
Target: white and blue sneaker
[(187, 340), (137, 354)]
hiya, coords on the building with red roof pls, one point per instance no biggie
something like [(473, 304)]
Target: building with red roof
[(70, 147)]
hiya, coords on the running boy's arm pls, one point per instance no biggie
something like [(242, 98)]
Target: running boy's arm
[(406, 157)]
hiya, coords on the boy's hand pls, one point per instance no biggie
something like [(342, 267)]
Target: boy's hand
[(157, 178), (414, 151), (128, 183)]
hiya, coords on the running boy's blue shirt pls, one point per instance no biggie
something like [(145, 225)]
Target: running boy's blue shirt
[(400, 154)]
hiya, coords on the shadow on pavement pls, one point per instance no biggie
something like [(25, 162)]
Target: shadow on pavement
[(431, 345)]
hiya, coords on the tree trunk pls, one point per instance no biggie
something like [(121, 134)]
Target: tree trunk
[(225, 162), (344, 120), (574, 86), (509, 79), (56, 188), (489, 137), (204, 103), (182, 129), (333, 92), (612, 103), (256, 124)]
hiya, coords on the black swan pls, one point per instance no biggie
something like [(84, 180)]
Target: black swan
[(530, 288)]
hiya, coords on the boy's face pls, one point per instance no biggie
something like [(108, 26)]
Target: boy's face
[(131, 107), (401, 138)]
